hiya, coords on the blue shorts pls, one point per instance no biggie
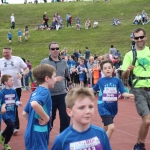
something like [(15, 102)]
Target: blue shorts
[(10, 38), (81, 77)]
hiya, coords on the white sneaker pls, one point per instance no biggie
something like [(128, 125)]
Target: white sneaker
[(15, 132)]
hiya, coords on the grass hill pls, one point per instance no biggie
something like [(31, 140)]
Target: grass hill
[(98, 40)]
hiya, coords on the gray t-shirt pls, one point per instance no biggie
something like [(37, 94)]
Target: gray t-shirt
[(112, 51)]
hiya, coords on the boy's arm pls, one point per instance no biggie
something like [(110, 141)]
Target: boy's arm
[(25, 115), (127, 95), (3, 108), (40, 111)]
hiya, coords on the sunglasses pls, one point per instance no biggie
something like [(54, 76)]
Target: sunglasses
[(56, 48), (141, 37)]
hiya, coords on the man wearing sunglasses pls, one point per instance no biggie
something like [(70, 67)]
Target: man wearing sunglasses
[(59, 91), (140, 82)]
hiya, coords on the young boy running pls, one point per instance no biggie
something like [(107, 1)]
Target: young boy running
[(81, 135), (38, 109), (9, 96), (19, 36), (109, 88)]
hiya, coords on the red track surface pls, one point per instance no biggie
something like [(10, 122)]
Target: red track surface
[(124, 137)]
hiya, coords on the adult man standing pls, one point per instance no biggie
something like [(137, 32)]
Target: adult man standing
[(59, 91), (112, 50), (12, 19), (140, 82), (12, 65), (87, 53)]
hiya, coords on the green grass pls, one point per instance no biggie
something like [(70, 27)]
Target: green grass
[(98, 40)]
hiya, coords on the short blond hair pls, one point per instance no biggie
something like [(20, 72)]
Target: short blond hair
[(78, 94)]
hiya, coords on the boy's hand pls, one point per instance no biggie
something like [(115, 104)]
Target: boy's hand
[(59, 78), (131, 96), (43, 122)]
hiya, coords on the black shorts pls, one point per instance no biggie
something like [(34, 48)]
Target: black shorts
[(107, 120), (75, 77)]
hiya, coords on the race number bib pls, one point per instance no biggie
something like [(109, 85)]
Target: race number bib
[(110, 94), (90, 144)]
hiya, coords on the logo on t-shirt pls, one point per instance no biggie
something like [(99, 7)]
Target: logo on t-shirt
[(89, 144)]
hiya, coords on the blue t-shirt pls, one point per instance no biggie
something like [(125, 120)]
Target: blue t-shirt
[(93, 138), (19, 33), (36, 136), (9, 35), (1, 102), (9, 96), (87, 54), (108, 95)]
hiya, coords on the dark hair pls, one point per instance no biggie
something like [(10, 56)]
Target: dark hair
[(51, 44), (5, 78), (104, 62), (24, 59), (41, 71), (138, 30), (7, 48), (112, 46)]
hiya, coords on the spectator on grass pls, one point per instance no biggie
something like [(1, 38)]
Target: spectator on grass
[(144, 16), (37, 27), (112, 50), (118, 54), (12, 19), (148, 20), (9, 37), (137, 19), (78, 24), (68, 19), (118, 21), (95, 24), (87, 53), (19, 36), (26, 32), (79, 53), (75, 53), (45, 18), (87, 23), (133, 42)]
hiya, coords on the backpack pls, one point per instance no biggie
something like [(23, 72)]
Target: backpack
[(132, 76)]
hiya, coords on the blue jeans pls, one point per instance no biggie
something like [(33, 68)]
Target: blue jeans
[(29, 75)]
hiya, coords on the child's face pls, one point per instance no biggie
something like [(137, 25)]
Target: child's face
[(51, 81), (10, 82), (82, 112), (81, 62), (107, 70)]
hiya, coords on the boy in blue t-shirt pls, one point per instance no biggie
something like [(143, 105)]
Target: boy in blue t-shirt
[(10, 98), (81, 134), (19, 36), (109, 88), (38, 109)]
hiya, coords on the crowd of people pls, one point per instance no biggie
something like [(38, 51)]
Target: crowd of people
[(67, 83), (142, 18)]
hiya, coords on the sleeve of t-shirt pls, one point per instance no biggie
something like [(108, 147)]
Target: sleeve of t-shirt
[(127, 61), (107, 143), (41, 97), (96, 86), (121, 86), (57, 145)]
